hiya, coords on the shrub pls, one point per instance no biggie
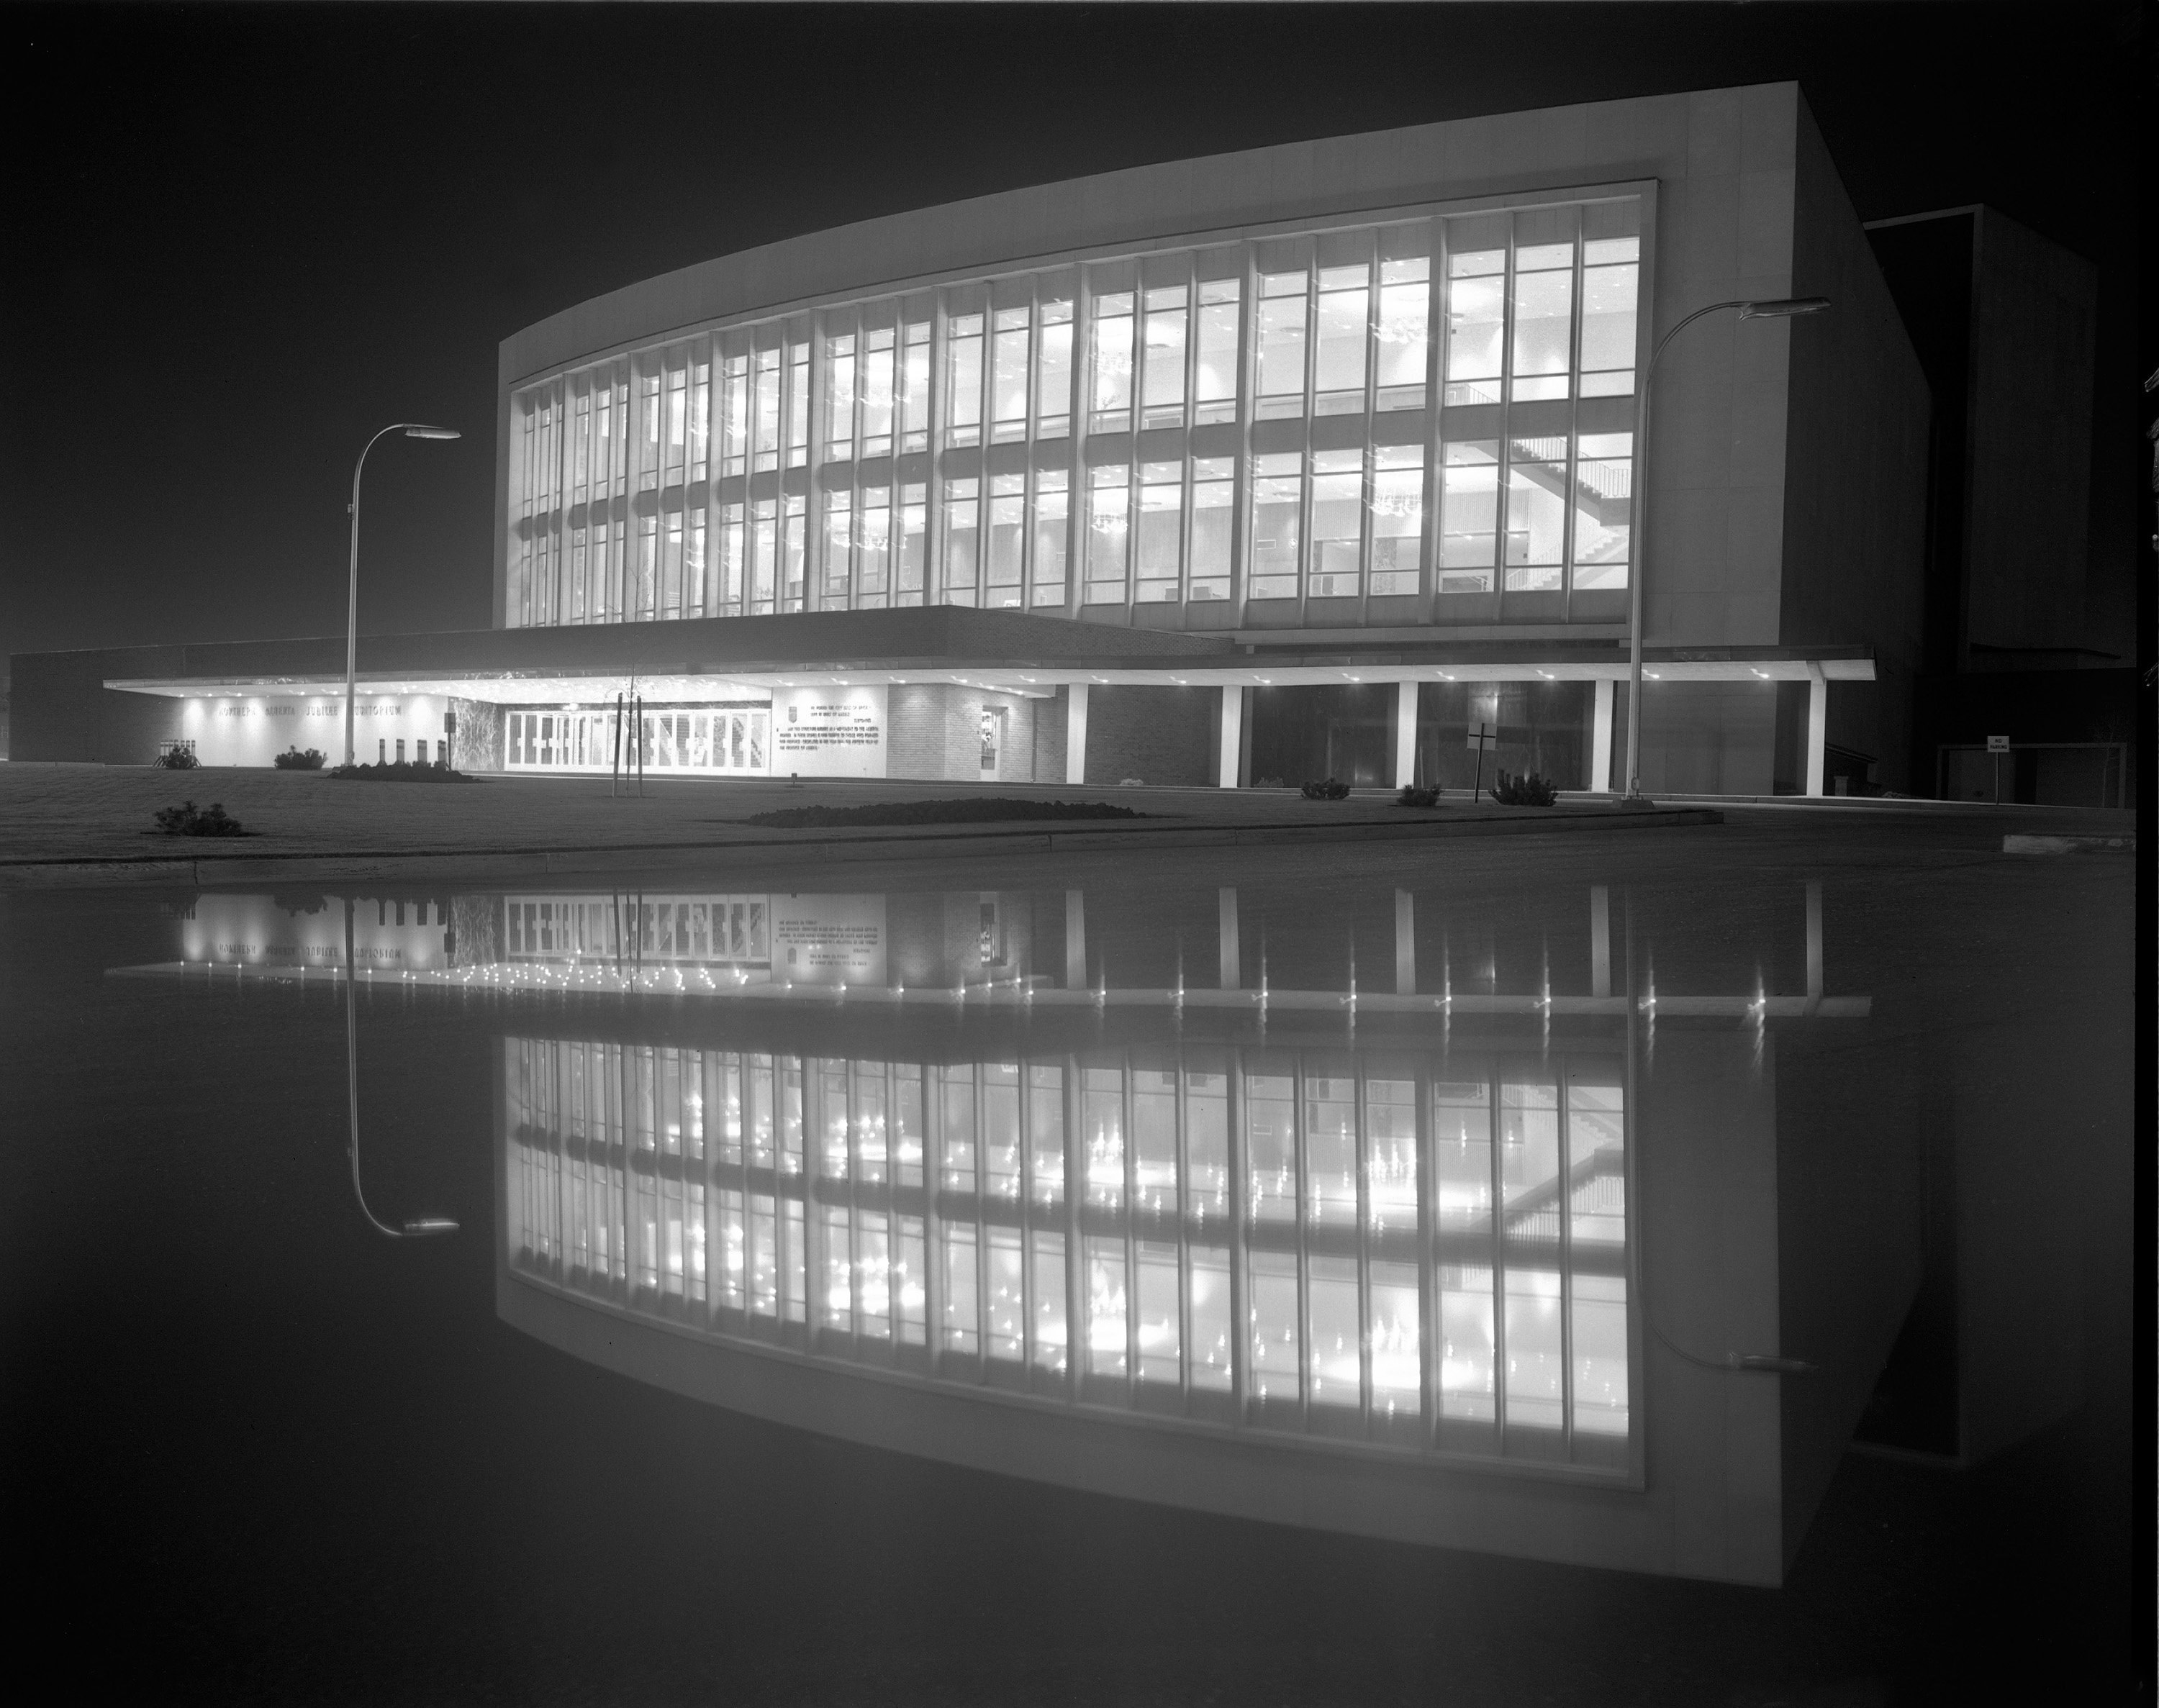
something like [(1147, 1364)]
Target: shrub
[(189, 820), (1413, 796), (1531, 790), (1328, 790), (990, 808), (393, 772), (293, 760), (178, 759), (1269, 783)]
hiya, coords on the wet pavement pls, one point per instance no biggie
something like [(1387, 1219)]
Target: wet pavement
[(1681, 1268)]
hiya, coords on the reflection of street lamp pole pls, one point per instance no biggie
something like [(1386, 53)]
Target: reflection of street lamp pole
[(413, 430), (418, 1226), (1777, 308)]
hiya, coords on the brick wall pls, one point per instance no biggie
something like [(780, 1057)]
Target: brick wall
[(1049, 737), (1158, 735)]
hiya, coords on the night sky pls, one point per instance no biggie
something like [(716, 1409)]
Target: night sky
[(239, 240)]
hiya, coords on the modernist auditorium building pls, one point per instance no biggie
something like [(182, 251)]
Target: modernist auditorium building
[(1232, 471)]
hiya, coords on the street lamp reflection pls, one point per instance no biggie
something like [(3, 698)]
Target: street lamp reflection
[(415, 1227)]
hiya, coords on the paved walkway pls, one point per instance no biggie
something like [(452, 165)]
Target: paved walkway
[(79, 822)]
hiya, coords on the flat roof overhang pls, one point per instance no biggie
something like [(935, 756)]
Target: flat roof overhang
[(1564, 663)]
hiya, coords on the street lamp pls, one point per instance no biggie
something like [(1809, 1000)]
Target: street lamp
[(1775, 308), (415, 1227), (412, 430)]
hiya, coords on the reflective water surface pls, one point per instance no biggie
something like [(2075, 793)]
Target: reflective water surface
[(1601, 1216)]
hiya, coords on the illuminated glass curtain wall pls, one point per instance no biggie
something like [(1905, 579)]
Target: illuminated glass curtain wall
[(1385, 423), (1394, 1250)]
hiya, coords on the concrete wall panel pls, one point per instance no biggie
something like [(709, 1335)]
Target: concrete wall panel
[(1855, 466)]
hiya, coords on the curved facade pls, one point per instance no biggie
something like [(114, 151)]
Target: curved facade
[(1427, 417)]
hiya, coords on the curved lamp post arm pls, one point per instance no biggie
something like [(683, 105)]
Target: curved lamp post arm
[(418, 1227), (412, 430), (1750, 308)]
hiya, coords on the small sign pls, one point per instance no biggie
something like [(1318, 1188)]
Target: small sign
[(1482, 736), (1998, 744)]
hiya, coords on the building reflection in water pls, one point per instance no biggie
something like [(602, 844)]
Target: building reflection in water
[(1368, 1253), (1427, 1253)]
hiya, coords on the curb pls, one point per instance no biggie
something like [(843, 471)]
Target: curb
[(2068, 845), (476, 862)]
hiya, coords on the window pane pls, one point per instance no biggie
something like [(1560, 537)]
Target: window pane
[(1337, 516), (1102, 1129), (914, 380), (1215, 387), (1603, 490), (1608, 329), (1599, 1325), (1465, 1342), (1109, 500), (1052, 501), (1529, 1159), (1276, 492), (1468, 516), (1160, 1326), (955, 1094), (1392, 1324), (1113, 361), (1339, 361), (1398, 519), (1162, 519), (798, 405), (1008, 374), (874, 543), (765, 385), (961, 539), (877, 377), (794, 533), (839, 541), (1336, 1365), (913, 542), (1281, 345), (1461, 1143), (1330, 1153), (1476, 323), (1391, 1155), (963, 373), (1543, 325), (1053, 377), (1213, 493), (1163, 397), (1007, 538), (1209, 1315), (1597, 1163), (1207, 1148), (1005, 1318), (1000, 1131), (1046, 1251), (1154, 1141), (961, 1317), (1535, 1372), (1045, 1114), (1105, 1307), (1272, 1278), (1536, 513), (1271, 1147), (840, 396), (1405, 321)]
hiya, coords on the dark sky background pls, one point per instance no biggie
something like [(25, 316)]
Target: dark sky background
[(237, 240)]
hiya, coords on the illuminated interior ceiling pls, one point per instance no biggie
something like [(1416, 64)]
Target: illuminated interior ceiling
[(531, 689)]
